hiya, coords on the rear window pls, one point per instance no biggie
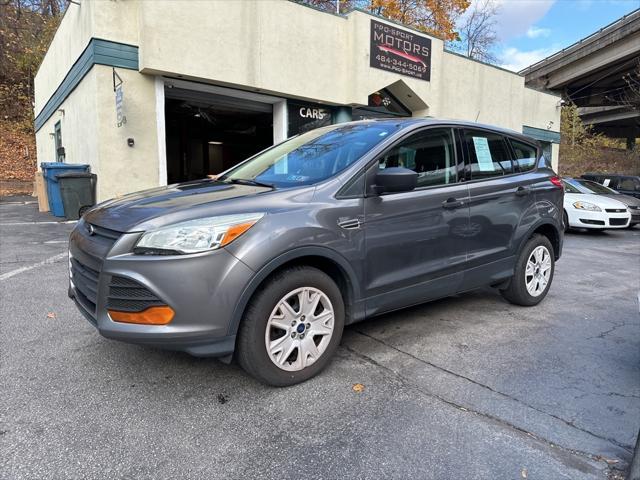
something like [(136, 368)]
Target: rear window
[(525, 155)]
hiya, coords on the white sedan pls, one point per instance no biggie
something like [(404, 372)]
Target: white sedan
[(586, 210)]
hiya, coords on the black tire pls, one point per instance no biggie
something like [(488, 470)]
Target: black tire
[(251, 351), (565, 221), (516, 292)]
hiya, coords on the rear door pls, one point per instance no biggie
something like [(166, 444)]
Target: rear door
[(416, 241), (502, 203)]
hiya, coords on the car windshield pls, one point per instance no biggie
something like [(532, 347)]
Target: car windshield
[(569, 187), (587, 186), (311, 157), (595, 187)]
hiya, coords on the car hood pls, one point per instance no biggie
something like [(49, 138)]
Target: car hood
[(159, 206), (628, 200), (603, 201)]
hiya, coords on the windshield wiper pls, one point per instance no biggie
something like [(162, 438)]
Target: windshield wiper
[(249, 181)]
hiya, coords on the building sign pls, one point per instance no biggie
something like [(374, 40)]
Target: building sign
[(117, 88), (119, 98), (400, 51), (307, 116)]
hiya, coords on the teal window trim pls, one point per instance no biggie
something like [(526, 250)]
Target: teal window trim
[(541, 134), (97, 52)]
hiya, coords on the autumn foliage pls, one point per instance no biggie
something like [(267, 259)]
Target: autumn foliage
[(26, 29), (435, 17)]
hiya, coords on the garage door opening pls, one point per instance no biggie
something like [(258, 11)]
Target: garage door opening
[(208, 133)]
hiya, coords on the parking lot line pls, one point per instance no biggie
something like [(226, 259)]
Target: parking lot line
[(17, 271)]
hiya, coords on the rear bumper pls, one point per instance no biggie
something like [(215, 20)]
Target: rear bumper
[(202, 289)]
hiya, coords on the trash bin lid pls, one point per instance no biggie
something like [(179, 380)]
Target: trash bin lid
[(75, 175), (64, 166)]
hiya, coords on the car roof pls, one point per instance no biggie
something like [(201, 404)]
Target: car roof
[(408, 122)]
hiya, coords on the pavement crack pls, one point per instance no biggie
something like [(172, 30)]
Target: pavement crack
[(505, 395), (611, 330), (409, 384)]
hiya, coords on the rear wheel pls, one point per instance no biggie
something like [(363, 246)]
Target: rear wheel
[(292, 327), (533, 273)]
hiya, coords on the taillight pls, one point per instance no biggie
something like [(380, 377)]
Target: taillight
[(556, 181)]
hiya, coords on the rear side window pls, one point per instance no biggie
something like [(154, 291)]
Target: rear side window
[(525, 156), (489, 154)]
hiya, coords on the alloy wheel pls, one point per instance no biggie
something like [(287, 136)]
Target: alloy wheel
[(299, 329), (538, 271)]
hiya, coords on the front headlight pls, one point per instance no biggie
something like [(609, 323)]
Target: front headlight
[(587, 206), (196, 236)]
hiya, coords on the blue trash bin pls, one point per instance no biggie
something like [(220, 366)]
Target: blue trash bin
[(50, 172)]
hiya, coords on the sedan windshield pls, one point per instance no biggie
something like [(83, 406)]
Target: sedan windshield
[(595, 187), (311, 157), (587, 186)]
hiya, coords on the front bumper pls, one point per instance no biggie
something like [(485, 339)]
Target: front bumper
[(202, 289), (635, 215), (600, 220)]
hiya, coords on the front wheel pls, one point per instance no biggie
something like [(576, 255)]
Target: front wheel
[(533, 273), (292, 327)]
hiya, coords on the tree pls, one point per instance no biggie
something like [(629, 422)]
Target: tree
[(26, 29), (629, 95), (477, 36), (436, 17)]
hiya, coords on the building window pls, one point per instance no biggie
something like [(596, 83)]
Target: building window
[(59, 152)]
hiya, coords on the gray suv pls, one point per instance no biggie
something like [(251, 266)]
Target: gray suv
[(270, 260)]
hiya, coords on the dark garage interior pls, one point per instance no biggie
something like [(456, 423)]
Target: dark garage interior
[(208, 133)]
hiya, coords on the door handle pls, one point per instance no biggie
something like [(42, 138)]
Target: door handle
[(522, 191), (452, 203)]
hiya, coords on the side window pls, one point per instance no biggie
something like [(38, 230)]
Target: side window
[(525, 155), (429, 153), (626, 184), (489, 154)]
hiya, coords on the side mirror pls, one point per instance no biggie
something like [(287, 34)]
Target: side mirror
[(637, 188), (395, 179)]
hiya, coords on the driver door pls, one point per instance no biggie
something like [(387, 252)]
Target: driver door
[(415, 241)]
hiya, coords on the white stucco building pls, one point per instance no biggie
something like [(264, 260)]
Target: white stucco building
[(204, 84)]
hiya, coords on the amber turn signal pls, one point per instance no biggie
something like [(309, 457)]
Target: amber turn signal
[(234, 232), (150, 316)]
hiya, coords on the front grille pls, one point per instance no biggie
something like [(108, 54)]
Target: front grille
[(126, 295), (615, 210), (102, 232), (88, 247), (85, 281), (618, 221)]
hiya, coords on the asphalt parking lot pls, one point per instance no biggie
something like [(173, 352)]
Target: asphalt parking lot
[(463, 388)]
